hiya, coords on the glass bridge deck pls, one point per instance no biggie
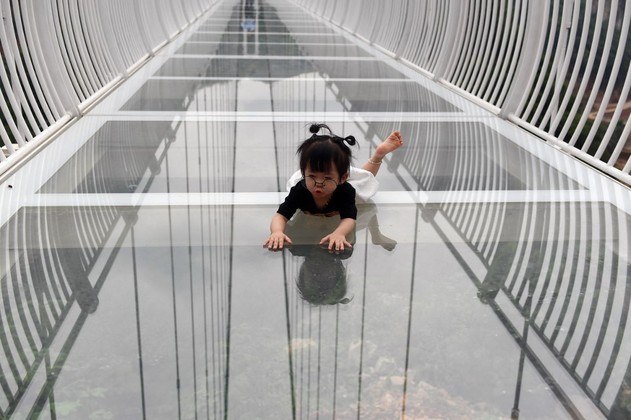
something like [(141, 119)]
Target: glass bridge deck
[(489, 276)]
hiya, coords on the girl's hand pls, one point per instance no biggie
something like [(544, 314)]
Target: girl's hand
[(336, 241), (276, 241)]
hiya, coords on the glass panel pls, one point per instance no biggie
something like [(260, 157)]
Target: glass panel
[(162, 156), (288, 95), (370, 96), (243, 67), (238, 48), (265, 27), (118, 326), (127, 302), (264, 38)]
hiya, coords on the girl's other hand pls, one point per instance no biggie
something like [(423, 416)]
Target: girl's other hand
[(336, 241), (276, 241)]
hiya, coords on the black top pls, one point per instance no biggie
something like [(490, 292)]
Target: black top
[(342, 201)]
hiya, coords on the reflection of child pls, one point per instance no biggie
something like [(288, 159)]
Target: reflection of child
[(322, 276), (322, 188)]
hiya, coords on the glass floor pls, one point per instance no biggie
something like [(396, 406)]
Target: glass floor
[(489, 276)]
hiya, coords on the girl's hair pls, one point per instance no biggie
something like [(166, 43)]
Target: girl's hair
[(320, 151)]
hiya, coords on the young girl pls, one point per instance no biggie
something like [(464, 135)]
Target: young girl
[(321, 187)]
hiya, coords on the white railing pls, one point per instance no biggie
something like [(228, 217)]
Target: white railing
[(57, 58), (559, 68)]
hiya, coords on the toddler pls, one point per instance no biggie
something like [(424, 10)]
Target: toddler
[(321, 187)]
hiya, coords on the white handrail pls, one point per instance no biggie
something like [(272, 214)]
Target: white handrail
[(559, 67), (56, 58)]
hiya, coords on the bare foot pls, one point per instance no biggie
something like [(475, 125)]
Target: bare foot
[(379, 238), (392, 143), (385, 242)]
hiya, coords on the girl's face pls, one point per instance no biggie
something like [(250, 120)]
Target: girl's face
[(322, 184)]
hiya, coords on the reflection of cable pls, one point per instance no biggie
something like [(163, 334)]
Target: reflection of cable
[(319, 360), (212, 277), (276, 160), (361, 347), (289, 346), (285, 274), (296, 334), (309, 365), (411, 303), (173, 296), (522, 353), (337, 324), (203, 258), (224, 261), (190, 272), (301, 362), (230, 263), (137, 311)]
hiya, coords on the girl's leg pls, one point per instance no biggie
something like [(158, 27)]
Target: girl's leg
[(379, 238), (393, 142)]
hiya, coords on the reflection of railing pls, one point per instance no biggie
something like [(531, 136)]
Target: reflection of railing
[(468, 156), (119, 158), (579, 289), (564, 260), (556, 68), (578, 308), (570, 254), (562, 265), (53, 263), (50, 270), (56, 60), (55, 257)]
